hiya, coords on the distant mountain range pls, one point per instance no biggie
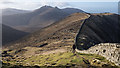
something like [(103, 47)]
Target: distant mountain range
[(37, 19), (12, 11)]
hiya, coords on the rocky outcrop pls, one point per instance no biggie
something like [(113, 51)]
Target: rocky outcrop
[(111, 51)]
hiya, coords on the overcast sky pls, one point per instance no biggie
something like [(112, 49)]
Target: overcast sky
[(87, 5)]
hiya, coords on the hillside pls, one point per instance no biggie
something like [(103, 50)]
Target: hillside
[(52, 45), (99, 34), (37, 19), (9, 34), (58, 31), (72, 10), (11, 11), (99, 28)]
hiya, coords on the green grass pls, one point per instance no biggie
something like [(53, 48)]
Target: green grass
[(61, 59), (100, 58)]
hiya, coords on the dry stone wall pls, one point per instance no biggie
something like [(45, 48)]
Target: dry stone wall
[(111, 51)]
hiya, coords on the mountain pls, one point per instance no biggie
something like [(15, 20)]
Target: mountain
[(9, 34), (72, 10), (12, 11), (47, 17), (37, 19), (52, 45)]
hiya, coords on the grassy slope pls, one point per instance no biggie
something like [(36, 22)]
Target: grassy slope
[(62, 60)]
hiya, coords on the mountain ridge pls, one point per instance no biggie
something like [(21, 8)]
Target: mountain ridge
[(25, 22), (12, 11)]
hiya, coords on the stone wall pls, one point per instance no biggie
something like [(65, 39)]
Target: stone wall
[(111, 51)]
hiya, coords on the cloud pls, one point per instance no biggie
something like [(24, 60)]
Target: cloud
[(30, 5), (58, 4), (6, 2)]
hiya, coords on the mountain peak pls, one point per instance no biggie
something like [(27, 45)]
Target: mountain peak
[(46, 6), (43, 8), (49, 7)]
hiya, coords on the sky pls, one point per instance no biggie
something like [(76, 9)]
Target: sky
[(92, 6)]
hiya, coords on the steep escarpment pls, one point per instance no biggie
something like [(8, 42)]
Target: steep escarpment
[(99, 28)]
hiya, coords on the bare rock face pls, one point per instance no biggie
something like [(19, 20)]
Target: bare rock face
[(111, 51), (98, 28)]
